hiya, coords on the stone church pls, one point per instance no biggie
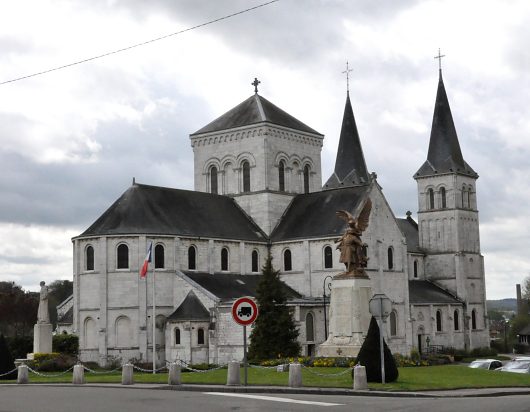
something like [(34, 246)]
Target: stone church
[(258, 190)]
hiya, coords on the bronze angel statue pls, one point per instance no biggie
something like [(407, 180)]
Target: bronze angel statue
[(350, 244)]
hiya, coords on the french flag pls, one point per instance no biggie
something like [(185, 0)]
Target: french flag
[(143, 270)]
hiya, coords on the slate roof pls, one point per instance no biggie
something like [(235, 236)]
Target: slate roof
[(409, 228), (444, 154), (313, 214), (67, 318), (350, 167), (191, 308), (425, 292), (256, 109), (149, 210), (230, 286)]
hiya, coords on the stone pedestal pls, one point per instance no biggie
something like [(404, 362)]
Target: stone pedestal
[(295, 375), (78, 377), (42, 338), (173, 377), (349, 316), (233, 375)]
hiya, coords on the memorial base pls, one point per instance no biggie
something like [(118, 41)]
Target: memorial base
[(349, 316), (42, 338)]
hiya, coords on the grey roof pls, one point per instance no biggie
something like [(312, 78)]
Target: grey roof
[(409, 228), (191, 308), (425, 292), (525, 330), (67, 318), (313, 214), (350, 167), (149, 210), (444, 154), (230, 286), (256, 109)]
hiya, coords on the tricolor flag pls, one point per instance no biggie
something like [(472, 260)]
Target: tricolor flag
[(143, 270)]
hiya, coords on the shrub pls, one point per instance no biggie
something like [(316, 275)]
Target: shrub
[(6, 360), (20, 346), (66, 344), (520, 348), (52, 362), (408, 361)]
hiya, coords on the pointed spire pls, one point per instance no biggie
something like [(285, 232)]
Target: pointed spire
[(444, 154), (350, 167)]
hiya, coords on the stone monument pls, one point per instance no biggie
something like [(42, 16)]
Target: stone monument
[(42, 331), (351, 290)]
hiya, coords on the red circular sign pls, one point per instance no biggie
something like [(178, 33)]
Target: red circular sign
[(244, 311)]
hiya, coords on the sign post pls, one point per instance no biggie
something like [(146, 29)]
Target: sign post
[(380, 308), (244, 313)]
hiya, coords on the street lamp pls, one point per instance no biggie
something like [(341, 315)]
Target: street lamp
[(428, 340), (324, 296), (506, 322)]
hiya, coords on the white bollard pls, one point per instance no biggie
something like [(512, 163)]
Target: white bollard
[(173, 377), (295, 375), (78, 377), (359, 378), (233, 375), (127, 374), (23, 375)]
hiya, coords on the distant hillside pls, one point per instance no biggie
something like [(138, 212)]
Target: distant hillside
[(503, 304)]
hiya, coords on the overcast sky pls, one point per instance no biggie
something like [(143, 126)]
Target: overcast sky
[(72, 140)]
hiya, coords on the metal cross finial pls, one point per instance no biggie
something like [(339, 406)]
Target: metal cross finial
[(255, 84), (347, 71), (439, 57)]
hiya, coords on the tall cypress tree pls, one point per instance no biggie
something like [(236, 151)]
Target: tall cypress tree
[(6, 360), (274, 334)]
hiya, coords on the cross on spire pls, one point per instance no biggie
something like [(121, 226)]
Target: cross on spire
[(347, 71), (255, 84), (439, 57)]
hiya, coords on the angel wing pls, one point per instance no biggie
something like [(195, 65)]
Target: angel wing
[(345, 215), (364, 216)]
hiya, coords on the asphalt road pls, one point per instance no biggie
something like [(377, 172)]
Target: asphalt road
[(89, 399)]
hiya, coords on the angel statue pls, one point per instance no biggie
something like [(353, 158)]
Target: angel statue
[(350, 244)]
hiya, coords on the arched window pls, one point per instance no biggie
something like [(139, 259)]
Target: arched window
[(287, 263), (224, 258), (430, 199), (246, 176), (306, 179), (442, 195), (192, 255), (255, 261), (123, 332), (177, 336), (468, 193), (463, 197), (159, 257), (328, 257), (473, 319), (281, 175), (91, 341), (415, 268), (213, 180), (123, 257), (438, 321), (456, 320), (390, 258), (309, 328), (393, 323), (89, 258), (200, 336)]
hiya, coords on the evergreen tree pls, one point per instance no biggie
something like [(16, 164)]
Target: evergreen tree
[(6, 360), (274, 334), (370, 357)]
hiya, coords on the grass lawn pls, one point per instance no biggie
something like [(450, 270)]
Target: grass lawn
[(410, 379)]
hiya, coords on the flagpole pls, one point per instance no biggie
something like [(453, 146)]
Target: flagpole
[(154, 321)]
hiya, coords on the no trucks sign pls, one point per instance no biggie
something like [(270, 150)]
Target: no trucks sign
[(244, 311)]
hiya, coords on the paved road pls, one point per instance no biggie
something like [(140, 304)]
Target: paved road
[(89, 399)]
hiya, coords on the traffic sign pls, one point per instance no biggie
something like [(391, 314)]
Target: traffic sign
[(244, 311)]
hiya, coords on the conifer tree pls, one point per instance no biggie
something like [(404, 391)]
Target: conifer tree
[(274, 334), (6, 360), (370, 357)]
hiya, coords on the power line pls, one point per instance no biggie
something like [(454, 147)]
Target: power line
[(138, 44)]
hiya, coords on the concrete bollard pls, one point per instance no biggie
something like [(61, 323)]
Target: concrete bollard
[(78, 378), (23, 374), (233, 375), (295, 375), (359, 378), (173, 377), (127, 374)]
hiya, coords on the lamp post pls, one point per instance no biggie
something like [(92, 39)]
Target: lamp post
[(324, 296), (428, 340), (506, 322)]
